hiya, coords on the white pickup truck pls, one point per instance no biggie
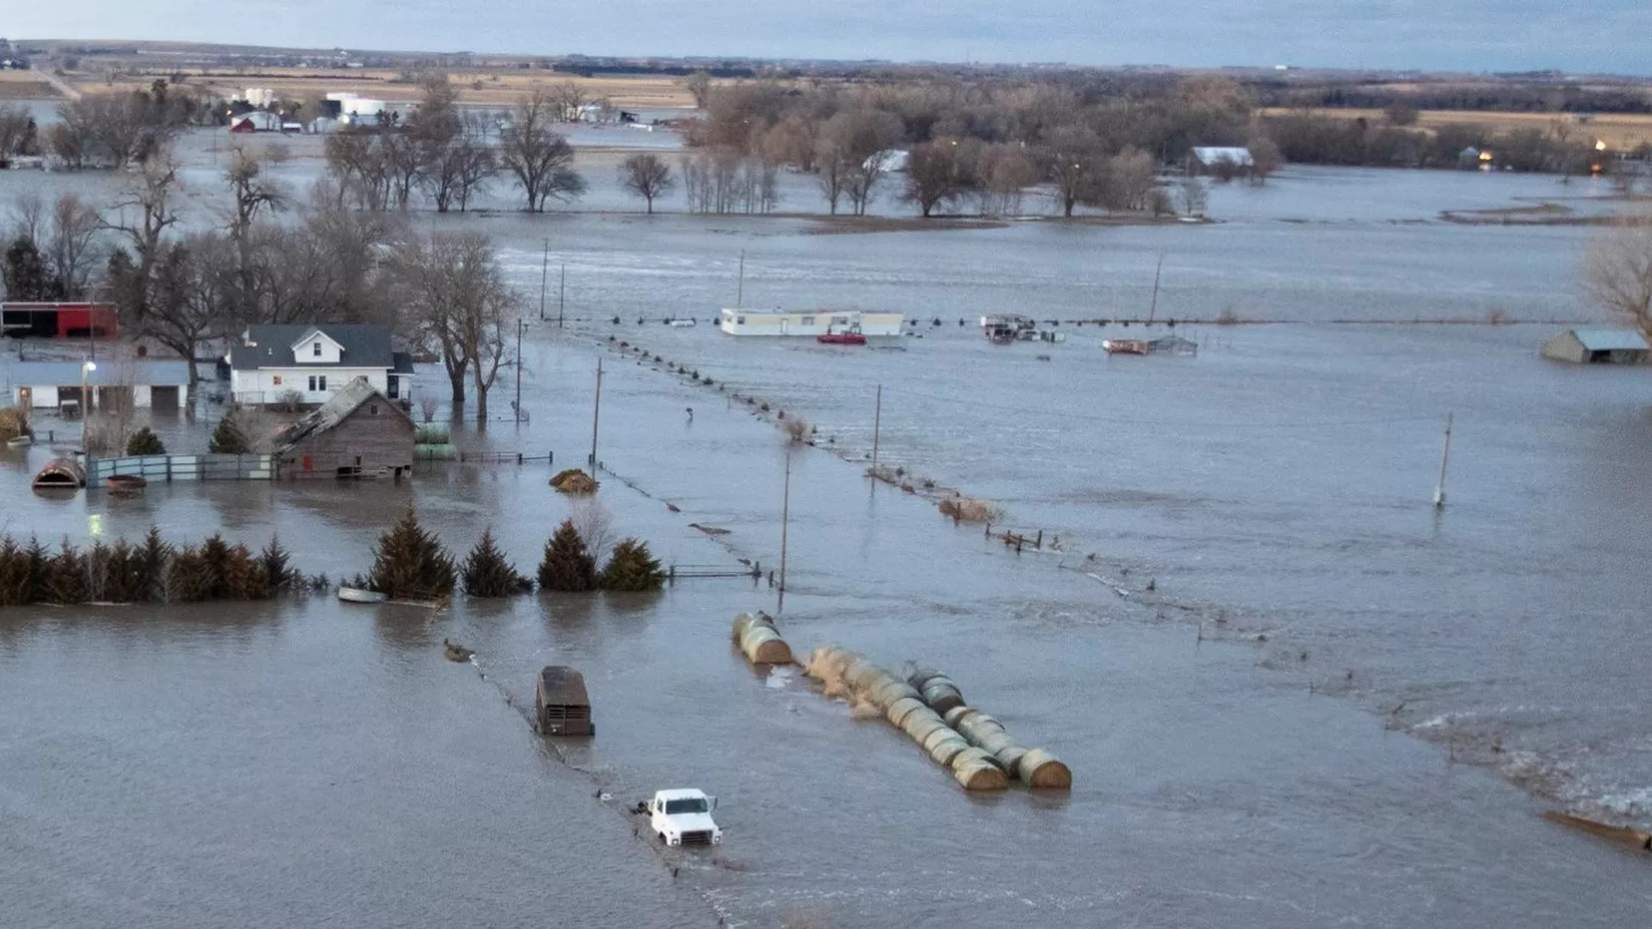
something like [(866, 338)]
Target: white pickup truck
[(683, 817)]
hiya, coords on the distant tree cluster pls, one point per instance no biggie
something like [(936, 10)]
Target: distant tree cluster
[(979, 144)]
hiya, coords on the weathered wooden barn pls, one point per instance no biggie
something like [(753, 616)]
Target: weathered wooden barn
[(359, 432)]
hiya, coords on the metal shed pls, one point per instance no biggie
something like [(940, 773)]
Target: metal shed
[(1598, 346)]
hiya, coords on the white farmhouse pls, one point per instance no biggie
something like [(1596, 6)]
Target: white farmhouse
[(273, 363)]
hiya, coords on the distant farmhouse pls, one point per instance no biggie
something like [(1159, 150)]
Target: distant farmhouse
[(1598, 346), (1222, 160), (306, 364)]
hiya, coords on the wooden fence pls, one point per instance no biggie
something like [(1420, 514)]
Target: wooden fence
[(183, 468)]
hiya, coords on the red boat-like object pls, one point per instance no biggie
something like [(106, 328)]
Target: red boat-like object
[(841, 338)]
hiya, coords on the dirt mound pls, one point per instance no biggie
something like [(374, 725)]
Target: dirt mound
[(575, 481)]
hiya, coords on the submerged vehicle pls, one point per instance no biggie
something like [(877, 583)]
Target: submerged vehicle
[(682, 816), (1004, 328), (561, 703)]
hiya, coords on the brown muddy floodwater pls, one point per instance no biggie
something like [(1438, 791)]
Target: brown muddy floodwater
[(1336, 707)]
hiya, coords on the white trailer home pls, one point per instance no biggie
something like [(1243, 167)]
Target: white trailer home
[(810, 323)]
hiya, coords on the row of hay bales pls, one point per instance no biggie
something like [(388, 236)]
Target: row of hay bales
[(759, 640), (903, 705), (1034, 767)]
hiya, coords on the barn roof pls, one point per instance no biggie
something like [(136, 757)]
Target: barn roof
[(1607, 340), (272, 346), (338, 408)]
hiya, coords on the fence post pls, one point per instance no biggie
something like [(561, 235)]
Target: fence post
[(519, 458), (169, 469), (550, 458)]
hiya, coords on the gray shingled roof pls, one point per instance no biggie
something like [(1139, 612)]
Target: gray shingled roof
[(364, 347)]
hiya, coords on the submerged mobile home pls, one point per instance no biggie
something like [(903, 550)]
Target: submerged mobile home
[(809, 323)]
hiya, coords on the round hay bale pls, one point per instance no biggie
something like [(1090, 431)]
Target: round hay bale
[(919, 726), (746, 620), (980, 775), (936, 737), (574, 481), (763, 645), (955, 714), (860, 673), (918, 677), (994, 743), (944, 750), (887, 693), (901, 709), (1040, 769), (1009, 758), (978, 725), (941, 694)]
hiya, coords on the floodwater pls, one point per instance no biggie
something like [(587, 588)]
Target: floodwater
[(1335, 706)]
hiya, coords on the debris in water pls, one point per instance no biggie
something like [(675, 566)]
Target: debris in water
[(455, 651), (1634, 838)]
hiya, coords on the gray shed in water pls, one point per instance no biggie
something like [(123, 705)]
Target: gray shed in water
[(561, 704), (1598, 346), (359, 432)]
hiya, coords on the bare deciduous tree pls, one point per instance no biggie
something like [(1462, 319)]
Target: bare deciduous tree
[(194, 282), (940, 172), (647, 175), (142, 214), (1193, 195), (541, 159), (595, 525), (1073, 159), (1617, 271), (455, 290), (70, 244), (698, 85), (569, 99)]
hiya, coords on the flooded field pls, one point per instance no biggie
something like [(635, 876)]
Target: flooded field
[(1335, 706)]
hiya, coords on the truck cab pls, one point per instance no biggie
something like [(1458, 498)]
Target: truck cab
[(683, 817)]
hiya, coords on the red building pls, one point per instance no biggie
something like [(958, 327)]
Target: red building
[(59, 320)]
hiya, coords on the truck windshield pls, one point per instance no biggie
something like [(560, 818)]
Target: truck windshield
[(689, 805)]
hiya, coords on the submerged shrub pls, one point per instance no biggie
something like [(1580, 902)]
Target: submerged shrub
[(228, 439), (189, 579), (567, 565), (409, 563), (487, 573), (145, 442), (631, 567)]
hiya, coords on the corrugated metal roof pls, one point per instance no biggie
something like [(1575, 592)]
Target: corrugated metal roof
[(1607, 340), (110, 373)]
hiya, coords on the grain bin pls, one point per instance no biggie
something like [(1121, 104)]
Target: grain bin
[(760, 641)]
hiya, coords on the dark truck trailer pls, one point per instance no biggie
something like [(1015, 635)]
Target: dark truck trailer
[(561, 703)]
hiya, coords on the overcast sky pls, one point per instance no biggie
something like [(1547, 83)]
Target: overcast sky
[(1458, 35)]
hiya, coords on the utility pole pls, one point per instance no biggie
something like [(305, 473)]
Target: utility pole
[(1445, 455), (877, 428), (562, 295), (518, 404), (544, 272), (740, 288), (596, 413), (785, 522), (1153, 309)]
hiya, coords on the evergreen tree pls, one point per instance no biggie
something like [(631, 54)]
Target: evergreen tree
[(243, 576), (150, 569), (16, 588), (567, 565), (66, 576), (118, 573), (145, 442), (409, 563), (40, 572), (228, 439), (278, 569), (632, 568), (487, 573), (25, 273), (214, 558), (188, 578)]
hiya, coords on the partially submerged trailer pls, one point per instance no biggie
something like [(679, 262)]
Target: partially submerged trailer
[(561, 703)]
